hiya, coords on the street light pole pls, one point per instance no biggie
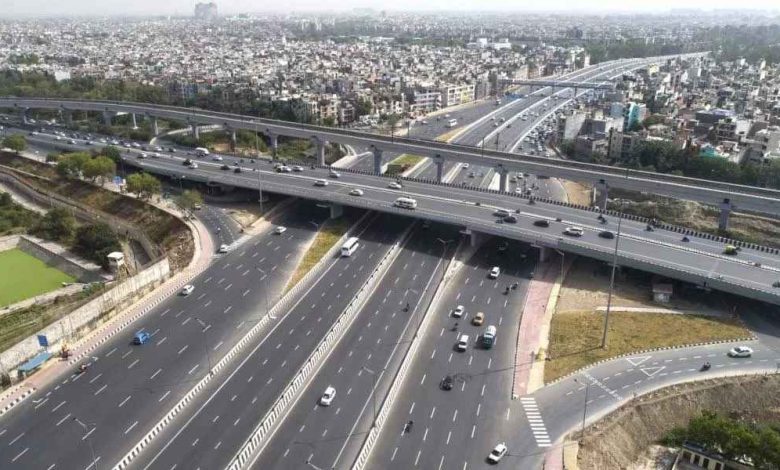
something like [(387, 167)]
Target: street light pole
[(265, 292), (373, 393), (204, 327), (612, 275), (89, 440), (584, 407)]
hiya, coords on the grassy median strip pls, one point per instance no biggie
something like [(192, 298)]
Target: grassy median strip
[(330, 232), (575, 336)]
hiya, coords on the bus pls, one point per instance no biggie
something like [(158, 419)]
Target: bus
[(452, 123), (489, 337), (406, 203), (349, 246)]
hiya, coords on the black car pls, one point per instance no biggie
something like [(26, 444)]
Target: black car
[(171, 150), (510, 219), (446, 383), (237, 170), (541, 223), (224, 167), (187, 162), (607, 234)]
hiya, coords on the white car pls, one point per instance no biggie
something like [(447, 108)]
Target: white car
[(394, 185), (187, 290), (498, 453), (494, 272), (465, 165), (458, 311), (280, 230), (741, 351), (216, 158), (573, 231), (320, 183), (158, 149), (194, 166), (327, 398), (222, 248), (297, 168), (335, 174), (356, 192)]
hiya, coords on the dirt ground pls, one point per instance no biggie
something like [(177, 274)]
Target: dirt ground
[(622, 439), (654, 458), (245, 214), (587, 283), (578, 193)]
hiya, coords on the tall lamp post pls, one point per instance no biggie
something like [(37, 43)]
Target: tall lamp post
[(89, 439), (612, 275), (265, 291), (584, 405), (373, 392), (204, 328)]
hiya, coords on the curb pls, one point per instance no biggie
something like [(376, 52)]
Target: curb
[(17, 400)]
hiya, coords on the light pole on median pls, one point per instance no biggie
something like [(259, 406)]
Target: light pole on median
[(373, 392), (89, 439), (204, 328), (612, 275)]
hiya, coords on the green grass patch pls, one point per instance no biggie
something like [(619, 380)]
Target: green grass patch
[(407, 160), (330, 232), (575, 336), (23, 276)]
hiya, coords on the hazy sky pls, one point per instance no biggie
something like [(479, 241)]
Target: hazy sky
[(151, 7)]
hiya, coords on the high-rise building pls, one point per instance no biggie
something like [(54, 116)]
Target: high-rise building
[(205, 10)]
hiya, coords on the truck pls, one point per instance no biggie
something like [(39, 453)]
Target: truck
[(489, 337)]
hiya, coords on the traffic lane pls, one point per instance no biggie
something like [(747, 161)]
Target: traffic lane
[(446, 420), (223, 229), (157, 373), (209, 436), (471, 213), (380, 335)]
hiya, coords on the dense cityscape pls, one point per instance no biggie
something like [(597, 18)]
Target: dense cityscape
[(380, 239)]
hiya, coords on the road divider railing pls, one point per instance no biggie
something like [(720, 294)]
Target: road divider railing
[(291, 393), (279, 308), (373, 435)]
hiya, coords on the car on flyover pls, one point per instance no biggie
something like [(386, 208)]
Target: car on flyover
[(321, 183), (606, 234), (280, 230), (740, 351), (356, 192), (573, 231), (541, 223), (498, 453), (394, 185)]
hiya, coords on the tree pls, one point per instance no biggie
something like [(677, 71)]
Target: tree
[(99, 167), (189, 199), (15, 142), (57, 224), (96, 242), (112, 153), (143, 184), (71, 165)]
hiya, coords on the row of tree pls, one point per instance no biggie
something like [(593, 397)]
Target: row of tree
[(735, 440)]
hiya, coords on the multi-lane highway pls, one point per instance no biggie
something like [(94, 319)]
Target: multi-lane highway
[(128, 387)]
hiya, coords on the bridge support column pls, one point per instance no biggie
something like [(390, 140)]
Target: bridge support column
[(502, 180), (135, 123), (107, 115), (725, 211), (195, 131), (544, 254), (155, 127), (439, 171), (274, 145), (377, 161), (320, 150), (474, 238), (575, 92), (336, 211), (23, 115), (602, 195), (68, 115), (233, 141)]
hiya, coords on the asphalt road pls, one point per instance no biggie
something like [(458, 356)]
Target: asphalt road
[(208, 435), (128, 387), (369, 353), (448, 423)]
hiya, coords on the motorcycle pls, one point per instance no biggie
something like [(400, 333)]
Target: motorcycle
[(705, 366)]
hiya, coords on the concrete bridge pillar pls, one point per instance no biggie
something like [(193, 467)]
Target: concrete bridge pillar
[(502, 179), (68, 114), (155, 127), (195, 131), (439, 171), (135, 123), (377, 161), (23, 115), (544, 254), (320, 150), (233, 141), (602, 194), (336, 211), (274, 145), (107, 116), (474, 238), (725, 211)]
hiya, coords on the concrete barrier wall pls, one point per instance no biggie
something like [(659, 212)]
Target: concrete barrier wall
[(9, 242), (56, 260), (119, 296)]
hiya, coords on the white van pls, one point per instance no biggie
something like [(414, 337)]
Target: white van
[(463, 342), (405, 203), (201, 152)]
